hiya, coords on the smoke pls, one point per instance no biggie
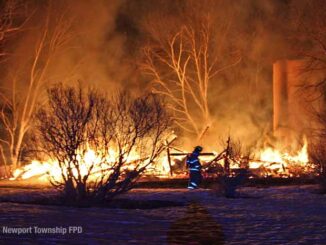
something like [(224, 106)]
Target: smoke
[(240, 97), (93, 51), (97, 50), (107, 36)]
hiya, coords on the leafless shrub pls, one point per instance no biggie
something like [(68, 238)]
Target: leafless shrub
[(318, 146), (139, 125), (234, 153), (75, 121), (318, 157)]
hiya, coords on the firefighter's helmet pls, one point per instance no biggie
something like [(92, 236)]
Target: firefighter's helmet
[(198, 148)]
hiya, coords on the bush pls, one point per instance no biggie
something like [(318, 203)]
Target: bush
[(230, 184), (80, 128), (318, 157)]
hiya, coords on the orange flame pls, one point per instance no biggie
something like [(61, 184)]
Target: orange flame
[(274, 162), (50, 168), (282, 163)]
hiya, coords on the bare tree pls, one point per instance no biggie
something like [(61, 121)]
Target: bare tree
[(75, 122), (317, 148), (22, 93), (12, 20), (183, 60), (310, 22), (310, 36)]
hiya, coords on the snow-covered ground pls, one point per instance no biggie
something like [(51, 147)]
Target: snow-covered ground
[(275, 215)]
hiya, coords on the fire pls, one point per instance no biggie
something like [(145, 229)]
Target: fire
[(271, 162), (44, 170), (283, 164)]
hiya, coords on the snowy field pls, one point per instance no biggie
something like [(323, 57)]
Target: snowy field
[(275, 215)]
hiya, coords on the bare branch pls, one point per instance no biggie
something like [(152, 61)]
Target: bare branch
[(182, 64)]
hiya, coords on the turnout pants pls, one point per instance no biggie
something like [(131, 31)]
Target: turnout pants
[(195, 178)]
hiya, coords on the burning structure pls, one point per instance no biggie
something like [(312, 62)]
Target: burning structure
[(287, 158), (155, 79), (184, 69)]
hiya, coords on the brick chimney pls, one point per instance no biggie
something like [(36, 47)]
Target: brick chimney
[(290, 115)]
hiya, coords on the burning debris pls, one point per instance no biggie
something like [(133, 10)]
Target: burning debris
[(269, 163), (191, 62), (98, 147), (96, 108)]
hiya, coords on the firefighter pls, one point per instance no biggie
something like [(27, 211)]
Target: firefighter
[(194, 167)]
